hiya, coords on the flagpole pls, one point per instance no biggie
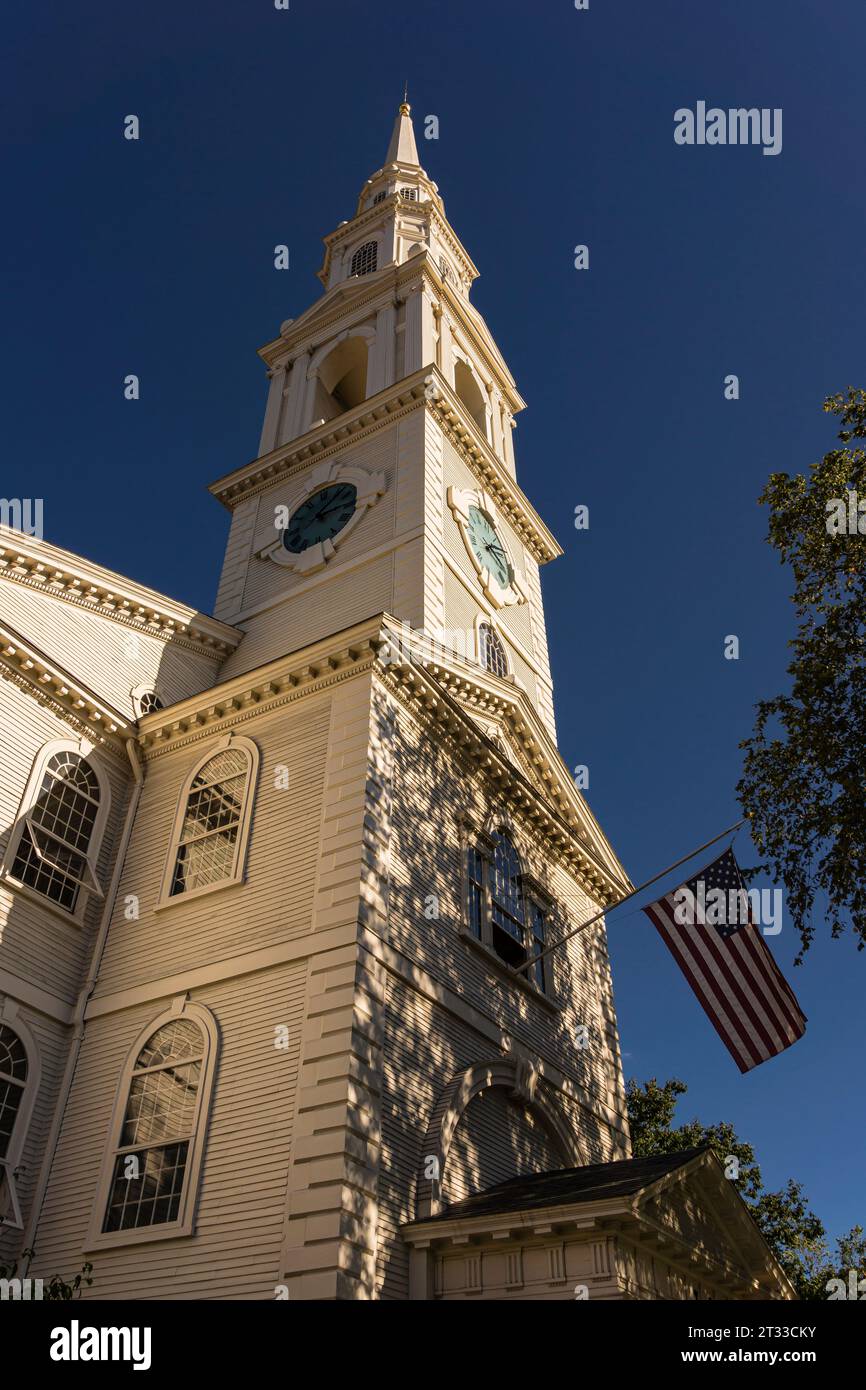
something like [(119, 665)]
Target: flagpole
[(518, 970)]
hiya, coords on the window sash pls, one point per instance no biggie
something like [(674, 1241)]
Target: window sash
[(7, 1184), (491, 913), (169, 1199), (85, 878)]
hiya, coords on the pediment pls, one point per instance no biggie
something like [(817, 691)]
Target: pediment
[(503, 713), (697, 1209)]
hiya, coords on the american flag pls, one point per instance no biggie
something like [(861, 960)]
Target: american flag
[(726, 961)]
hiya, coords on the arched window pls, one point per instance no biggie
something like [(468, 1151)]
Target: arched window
[(491, 650), (151, 1170), (342, 378), (54, 847), (505, 908), (471, 395), (19, 1084), (145, 700), (379, 197), (409, 195), (13, 1080), (211, 829), (365, 259)]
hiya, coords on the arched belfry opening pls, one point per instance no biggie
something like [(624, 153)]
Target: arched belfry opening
[(341, 379), (470, 393)]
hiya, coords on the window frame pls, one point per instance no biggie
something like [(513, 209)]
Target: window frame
[(481, 640), (87, 889), (237, 876), (373, 243), (11, 1019), (533, 898), (139, 694), (184, 1224)]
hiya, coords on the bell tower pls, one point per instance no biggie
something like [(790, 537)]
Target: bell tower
[(385, 479)]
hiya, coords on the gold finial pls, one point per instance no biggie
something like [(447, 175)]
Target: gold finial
[(405, 108)]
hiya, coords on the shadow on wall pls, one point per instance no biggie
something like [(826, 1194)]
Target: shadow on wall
[(501, 1133)]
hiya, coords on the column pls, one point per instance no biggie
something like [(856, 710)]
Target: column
[(268, 440), (380, 366), (419, 345), (296, 399), (508, 440)]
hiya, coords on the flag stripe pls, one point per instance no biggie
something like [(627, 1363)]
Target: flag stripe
[(741, 1050), (728, 964), (755, 953), (706, 940), (782, 990)]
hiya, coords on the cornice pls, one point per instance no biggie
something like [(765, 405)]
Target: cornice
[(31, 563), (415, 687), (262, 691), (304, 332), (427, 387), (33, 672), (320, 443), (511, 706), (459, 427), (374, 291)]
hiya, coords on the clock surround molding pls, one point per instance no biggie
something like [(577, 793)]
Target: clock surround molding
[(368, 486), (460, 500)]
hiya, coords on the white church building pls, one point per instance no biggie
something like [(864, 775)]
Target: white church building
[(272, 880)]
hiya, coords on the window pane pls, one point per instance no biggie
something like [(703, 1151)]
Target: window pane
[(10, 1100), (152, 1197), (365, 259), (173, 1042), (211, 822), (492, 652), (205, 861), (161, 1104), (505, 887), (66, 806), (30, 868), (538, 927), (13, 1058)]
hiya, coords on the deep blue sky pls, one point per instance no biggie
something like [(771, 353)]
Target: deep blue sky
[(556, 127)]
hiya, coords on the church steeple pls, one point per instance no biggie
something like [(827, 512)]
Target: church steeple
[(402, 149)]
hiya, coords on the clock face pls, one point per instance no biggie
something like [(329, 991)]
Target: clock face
[(487, 547), (320, 517)]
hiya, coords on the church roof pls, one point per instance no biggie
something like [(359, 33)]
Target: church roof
[(402, 149), (595, 1182)]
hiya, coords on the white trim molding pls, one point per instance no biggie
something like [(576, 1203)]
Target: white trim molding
[(184, 1224), (520, 1076), (460, 500), (369, 487)]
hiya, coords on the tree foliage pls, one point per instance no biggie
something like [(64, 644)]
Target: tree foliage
[(791, 1229), (56, 1289), (803, 778)]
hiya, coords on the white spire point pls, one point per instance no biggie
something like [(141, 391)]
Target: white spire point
[(402, 149)]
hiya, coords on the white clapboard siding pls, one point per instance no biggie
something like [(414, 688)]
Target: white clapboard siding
[(234, 1252), (314, 613), (52, 1041), (110, 657), (273, 904), (39, 943), (496, 1139)]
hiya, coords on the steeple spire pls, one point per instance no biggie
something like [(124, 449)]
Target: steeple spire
[(402, 149)]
